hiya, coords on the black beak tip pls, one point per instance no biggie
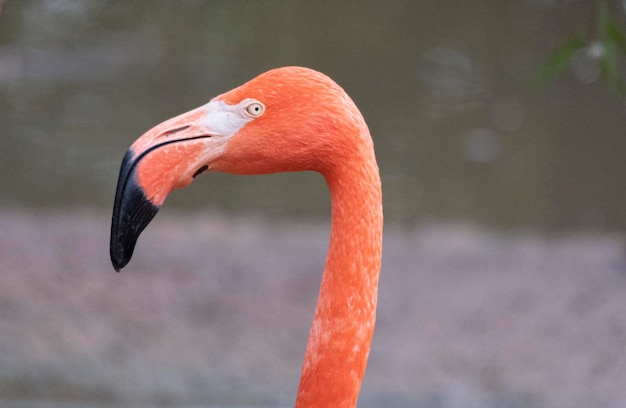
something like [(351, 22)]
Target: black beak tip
[(132, 212), (130, 217), (120, 257)]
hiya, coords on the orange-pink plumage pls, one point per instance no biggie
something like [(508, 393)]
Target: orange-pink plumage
[(287, 119)]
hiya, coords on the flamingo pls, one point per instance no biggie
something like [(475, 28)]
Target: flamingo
[(286, 119)]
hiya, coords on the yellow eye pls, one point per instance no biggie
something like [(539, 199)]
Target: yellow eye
[(255, 109)]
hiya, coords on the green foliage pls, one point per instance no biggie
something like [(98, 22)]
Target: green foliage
[(614, 42), (558, 61), (609, 49)]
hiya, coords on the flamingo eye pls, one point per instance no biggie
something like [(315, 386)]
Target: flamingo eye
[(255, 109)]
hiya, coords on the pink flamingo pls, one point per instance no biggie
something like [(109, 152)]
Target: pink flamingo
[(287, 119)]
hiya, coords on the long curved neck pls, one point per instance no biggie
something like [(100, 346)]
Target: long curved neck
[(340, 337)]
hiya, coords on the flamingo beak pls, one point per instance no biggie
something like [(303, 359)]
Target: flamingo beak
[(132, 212), (165, 158)]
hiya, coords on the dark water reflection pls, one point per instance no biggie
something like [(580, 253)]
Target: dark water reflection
[(444, 86)]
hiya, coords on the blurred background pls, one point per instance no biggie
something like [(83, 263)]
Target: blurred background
[(499, 131)]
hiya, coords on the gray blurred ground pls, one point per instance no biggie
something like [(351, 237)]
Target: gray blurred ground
[(215, 311)]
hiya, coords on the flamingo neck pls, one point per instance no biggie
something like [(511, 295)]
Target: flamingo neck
[(340, 337)]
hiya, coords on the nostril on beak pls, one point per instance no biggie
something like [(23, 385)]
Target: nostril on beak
[(178, 129)]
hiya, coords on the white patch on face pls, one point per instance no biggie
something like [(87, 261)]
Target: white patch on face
[(222, 119)]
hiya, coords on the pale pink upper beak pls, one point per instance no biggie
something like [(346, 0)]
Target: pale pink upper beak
[(167, 157)]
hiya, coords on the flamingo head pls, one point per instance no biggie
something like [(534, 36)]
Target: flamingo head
[(287, 119)]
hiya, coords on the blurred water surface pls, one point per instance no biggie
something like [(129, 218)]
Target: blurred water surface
[(444, 86)]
